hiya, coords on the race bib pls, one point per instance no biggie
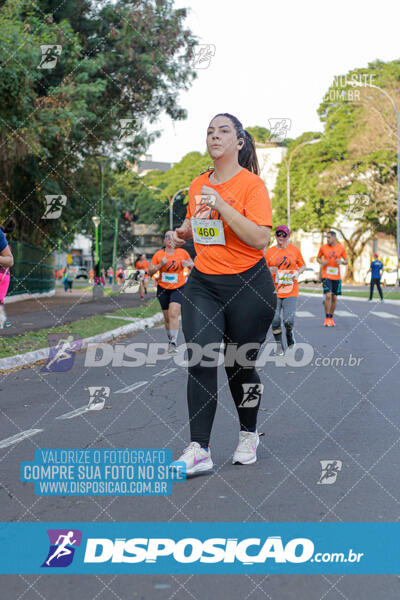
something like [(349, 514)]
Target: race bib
[(332, 270), (284, 278), (169, 277), (208, 231)]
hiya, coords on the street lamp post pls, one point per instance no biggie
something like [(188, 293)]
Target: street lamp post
[(96, 221), (102, 160), (288, 174), (171, 200), (97, 289), (115, 252), (389, 97)]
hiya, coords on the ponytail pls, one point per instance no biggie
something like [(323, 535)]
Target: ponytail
[(8, 227), (247, 154)]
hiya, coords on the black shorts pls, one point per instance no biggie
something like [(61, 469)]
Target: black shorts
[(332, 285), (166, 296)]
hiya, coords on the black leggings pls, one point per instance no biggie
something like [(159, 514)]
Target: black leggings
[(237, 309), (374, 282)]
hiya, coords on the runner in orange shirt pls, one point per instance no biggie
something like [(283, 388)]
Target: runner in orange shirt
[(285, 263), (142, 265), (331, 255), (170, 262), (229, 295)]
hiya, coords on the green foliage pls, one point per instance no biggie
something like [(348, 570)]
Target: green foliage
[(119, 60)]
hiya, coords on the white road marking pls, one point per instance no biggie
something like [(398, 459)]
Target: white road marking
[(132, 387), (304, 313), (74, 413), (165, 372), (19, 437), (384, 315), (344, 313)]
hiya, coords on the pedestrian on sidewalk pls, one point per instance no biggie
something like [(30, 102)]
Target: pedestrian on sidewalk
[(68, 279), (110, 275), (6, 261), (376, 269)]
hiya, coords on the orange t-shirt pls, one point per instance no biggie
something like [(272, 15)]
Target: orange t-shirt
[(331, 253), (287, 260), (247, 193), (171, 274), (142, 265)]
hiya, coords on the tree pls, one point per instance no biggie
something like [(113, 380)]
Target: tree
[(117, 62)]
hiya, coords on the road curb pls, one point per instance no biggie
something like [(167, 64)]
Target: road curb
[(29, 358), (22, 297)]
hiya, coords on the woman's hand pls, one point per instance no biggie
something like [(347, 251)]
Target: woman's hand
[(211, 198)]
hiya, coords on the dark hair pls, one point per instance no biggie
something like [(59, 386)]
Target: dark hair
[(8, 226), (332, 232), (247, 153)]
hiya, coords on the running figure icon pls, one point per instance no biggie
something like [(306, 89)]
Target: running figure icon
[(62, 549)]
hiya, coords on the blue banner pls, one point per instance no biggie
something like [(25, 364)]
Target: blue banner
[(95, 548)]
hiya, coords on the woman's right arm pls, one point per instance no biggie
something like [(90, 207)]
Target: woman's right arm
[(182, 233)]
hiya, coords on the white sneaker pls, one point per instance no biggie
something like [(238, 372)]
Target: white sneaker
[(246, 451), (172, 348), (279, 351), (196, 458)]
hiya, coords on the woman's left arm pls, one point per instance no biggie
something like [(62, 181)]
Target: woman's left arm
[(6, 257), (249, 232)]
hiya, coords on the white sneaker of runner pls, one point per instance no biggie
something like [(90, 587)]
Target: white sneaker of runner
[(196, 458), (172, 349), (246, 451)]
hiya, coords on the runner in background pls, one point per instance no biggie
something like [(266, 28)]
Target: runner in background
[(331, 255), (120, 275), (285, 263), (142, 265), (376, 268), (170, 262), (110, 274), (229, 296), (6, 261)]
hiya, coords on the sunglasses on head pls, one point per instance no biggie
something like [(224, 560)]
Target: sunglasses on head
[(281, 234)]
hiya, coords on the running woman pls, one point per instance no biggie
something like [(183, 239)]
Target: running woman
[(142, 264), (285, 263), (6, 261), (229, 296), (331, 255), (170, 262), (376, 268)]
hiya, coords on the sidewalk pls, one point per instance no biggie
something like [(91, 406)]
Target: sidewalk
[(62, 308)]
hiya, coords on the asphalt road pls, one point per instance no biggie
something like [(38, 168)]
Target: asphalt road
[(311, 413)]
